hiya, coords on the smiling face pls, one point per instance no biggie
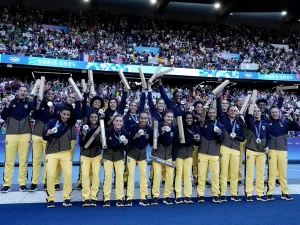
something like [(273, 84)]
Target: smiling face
[(22, 92), (160, 105), (169, 117), (256, 113), (225, 105), (94, 118), (118, 122), (189, 119), (199, 108), (178, 97), (143, 119), (65, 115), (97, 104), (133, 107), (71, 98), (275, 113), (50, 95), (232, 112), (212, 114), (240, 102), (113, 104)]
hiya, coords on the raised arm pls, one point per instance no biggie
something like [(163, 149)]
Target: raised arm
[(220, 112), (142, 103), (122, 105)]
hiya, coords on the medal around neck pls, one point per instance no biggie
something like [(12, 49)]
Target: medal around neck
[(50, 104), (100, 111), (85, 127), (233, 135), (141, 132), (54, 130), (122, 138), (168, 129), (216, 129), (196, 136), (258, 141)]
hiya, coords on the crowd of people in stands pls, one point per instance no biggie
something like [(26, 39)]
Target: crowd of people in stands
[(9, 87), (113, 38)]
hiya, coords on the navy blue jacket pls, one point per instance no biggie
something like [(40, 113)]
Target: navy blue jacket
[(61, 130), (264, 134), (17, 116), (142, 141), (279, 131), (153, 110), (115, 149), (128, 118), (210, 140), (239, 129), (18, 109)]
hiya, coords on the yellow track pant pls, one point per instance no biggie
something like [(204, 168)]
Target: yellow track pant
[(195, 163), (64, 159), (157, 168), (212, 163), (131, 164), (88, 164), (257, 159), (183, 169), (38, 150), (58, 169), (229, 157), (108, 170), (152, 173), (242, 157), (16, 143), (277, 163)]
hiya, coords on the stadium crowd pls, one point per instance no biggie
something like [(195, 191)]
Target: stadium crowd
[(113, 38), (9, 87)]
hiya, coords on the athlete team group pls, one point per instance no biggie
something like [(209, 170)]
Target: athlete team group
[(216, 141)]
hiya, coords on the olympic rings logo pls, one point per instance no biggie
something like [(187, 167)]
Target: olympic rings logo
[(14, 59)]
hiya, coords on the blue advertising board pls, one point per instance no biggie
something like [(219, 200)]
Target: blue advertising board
[(147, 69)]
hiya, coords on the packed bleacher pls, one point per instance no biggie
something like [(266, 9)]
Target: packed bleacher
[(108, 37)]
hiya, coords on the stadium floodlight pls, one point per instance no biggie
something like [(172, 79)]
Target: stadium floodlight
[(86, 0), (283, 13), (299, 20), (153, 1), (231, 14), (217, 5)]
